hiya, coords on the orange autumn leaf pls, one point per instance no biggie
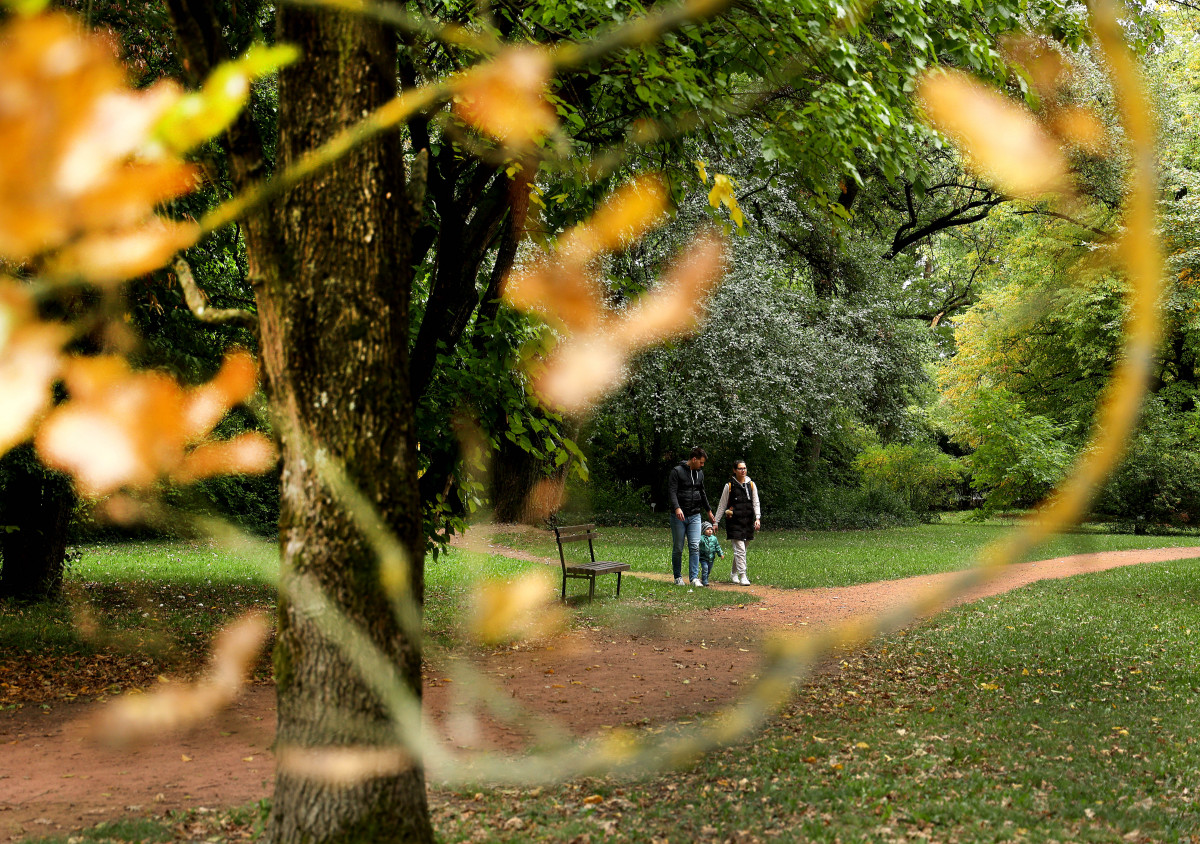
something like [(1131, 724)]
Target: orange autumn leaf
[(234, 382), (587, 365), (138, 715), (677, 306), (506, 97), (564, 293), (29, 363), (624, 217), (122, 428), (562, 286), (73, 164), (246, 454)]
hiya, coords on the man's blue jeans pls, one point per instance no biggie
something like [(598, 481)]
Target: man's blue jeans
[(689, 528)]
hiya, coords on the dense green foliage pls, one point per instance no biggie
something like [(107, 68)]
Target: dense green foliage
[(1034, 355)]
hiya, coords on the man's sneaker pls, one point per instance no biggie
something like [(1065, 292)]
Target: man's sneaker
[(679, 581), (696, 581), (745, 581), (733, 578)]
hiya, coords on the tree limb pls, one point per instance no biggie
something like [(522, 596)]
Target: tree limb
[(949, 220), (197, 302), (1046, 212)]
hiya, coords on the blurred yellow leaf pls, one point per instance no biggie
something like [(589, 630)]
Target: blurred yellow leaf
[(679, 303), (130, 252), (626, 215), (1081, 127), (342, 765), (249, 453), (1001, 141), (581, 370), (506, 611), (591, 360), (234, 382), (700, 168), (1040, 57), (564, 293), (587, 365), (506, 96), (26, 7)]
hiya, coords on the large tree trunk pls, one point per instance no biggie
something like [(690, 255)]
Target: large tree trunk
[(332, 276), (35, 510)]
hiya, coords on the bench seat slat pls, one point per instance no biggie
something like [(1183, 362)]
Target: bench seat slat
[(599, 567)]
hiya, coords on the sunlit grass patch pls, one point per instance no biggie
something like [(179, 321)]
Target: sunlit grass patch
[(182, 561)]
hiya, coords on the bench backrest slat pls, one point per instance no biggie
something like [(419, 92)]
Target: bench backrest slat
[(574, 533)]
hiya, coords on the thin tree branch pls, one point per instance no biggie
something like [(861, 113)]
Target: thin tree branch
[(1046, 212), (197, 302)]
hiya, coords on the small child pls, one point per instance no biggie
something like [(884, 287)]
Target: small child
[(710, 549)]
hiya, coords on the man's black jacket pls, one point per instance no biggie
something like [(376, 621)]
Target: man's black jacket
[(685, 490)]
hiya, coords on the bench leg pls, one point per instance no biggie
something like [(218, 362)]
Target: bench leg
[(591, 588), (564, 589), (618, 584)]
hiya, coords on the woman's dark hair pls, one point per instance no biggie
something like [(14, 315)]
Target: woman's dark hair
[(736, 463), (698, 452)]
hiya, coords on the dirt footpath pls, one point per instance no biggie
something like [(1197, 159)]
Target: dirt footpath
[(54, 778)]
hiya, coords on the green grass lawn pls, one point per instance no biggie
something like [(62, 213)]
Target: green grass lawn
[(1064, 711), (803, 559)]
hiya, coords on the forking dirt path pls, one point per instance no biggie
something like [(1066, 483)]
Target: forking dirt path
[(55, 778)]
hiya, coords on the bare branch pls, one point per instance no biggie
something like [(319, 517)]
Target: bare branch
[(1047, 212), (197, 302)]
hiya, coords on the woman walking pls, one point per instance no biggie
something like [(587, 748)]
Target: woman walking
[(739, 507)]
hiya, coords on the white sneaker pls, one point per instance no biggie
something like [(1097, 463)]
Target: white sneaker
[(733, 578), (745, 581), (696, 581), (679, 581)]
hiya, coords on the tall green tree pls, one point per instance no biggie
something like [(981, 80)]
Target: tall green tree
[(1034, 354)]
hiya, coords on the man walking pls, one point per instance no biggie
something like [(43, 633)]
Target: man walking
[(688, 500)]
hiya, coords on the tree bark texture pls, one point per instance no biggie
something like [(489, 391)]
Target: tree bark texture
[(332, 274), (38, 503)]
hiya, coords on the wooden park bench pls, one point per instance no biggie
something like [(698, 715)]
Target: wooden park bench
[(584, 571)]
